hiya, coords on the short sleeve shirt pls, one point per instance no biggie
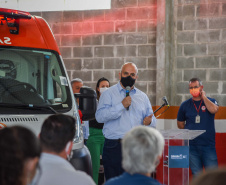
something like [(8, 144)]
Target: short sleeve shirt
[(188, 113)]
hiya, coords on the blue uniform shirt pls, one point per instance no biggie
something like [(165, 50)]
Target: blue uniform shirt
[(117, 120), (188, 113)]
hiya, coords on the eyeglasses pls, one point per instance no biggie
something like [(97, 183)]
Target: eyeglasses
[(196, 87)]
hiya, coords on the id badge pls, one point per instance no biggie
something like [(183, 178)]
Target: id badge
[(197, 119)]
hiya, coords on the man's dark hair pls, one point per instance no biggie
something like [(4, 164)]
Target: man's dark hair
[(195, 79), (57, 130)]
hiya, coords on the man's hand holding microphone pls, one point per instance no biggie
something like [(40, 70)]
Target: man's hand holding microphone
[(127, 100)]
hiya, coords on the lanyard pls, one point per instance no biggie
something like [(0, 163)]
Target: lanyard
[(196, 107)]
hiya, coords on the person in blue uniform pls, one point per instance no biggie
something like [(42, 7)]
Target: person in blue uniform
[(197, 113), (142, 149)]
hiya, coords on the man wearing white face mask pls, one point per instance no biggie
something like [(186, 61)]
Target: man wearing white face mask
[(96, 139), (197, 113), (56, 139)]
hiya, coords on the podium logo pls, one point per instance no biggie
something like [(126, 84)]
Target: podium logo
[(179, 156)]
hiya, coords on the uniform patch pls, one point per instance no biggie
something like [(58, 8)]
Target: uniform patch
[(203, 108)]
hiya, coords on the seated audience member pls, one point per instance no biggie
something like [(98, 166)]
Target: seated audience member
[(56, 139), (19, 156), (216, 176), (142, 149)]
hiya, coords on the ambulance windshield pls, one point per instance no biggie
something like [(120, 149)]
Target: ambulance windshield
[(33, 77)]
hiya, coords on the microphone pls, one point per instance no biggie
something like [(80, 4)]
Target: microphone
[(127, 94), (165, 103), (165, 100)]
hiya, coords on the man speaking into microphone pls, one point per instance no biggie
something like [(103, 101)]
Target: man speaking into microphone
[(121, 108)]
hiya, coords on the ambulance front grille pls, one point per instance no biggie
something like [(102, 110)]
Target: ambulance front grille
[(21, 119)]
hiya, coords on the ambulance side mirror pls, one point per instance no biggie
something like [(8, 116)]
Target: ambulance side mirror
[(87, 102)]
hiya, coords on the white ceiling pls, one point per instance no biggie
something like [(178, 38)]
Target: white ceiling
[(55, 5)]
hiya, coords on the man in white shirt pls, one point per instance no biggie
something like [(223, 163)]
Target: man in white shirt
[(56, 139)]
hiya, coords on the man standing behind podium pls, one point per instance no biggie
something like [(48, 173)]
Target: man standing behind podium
[(197, 113), (120, 111)]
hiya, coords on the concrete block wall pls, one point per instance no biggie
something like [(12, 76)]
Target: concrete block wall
[(200, 47), (190, 41), (95, 43)]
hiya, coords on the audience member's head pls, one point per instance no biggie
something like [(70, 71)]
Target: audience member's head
[(215, 176), (57, 134), (76, 84), (142, 148), (19, 156)]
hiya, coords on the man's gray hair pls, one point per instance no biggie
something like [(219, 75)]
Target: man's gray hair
[(131, 63), (141, 148), (76, 80), (194, 80)]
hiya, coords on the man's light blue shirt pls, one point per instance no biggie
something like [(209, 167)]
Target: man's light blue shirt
[(117, 120)]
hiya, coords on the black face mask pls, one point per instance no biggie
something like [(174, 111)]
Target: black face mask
[(127, 81)]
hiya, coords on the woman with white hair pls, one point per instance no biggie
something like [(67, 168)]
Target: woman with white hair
[(142, 149)]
